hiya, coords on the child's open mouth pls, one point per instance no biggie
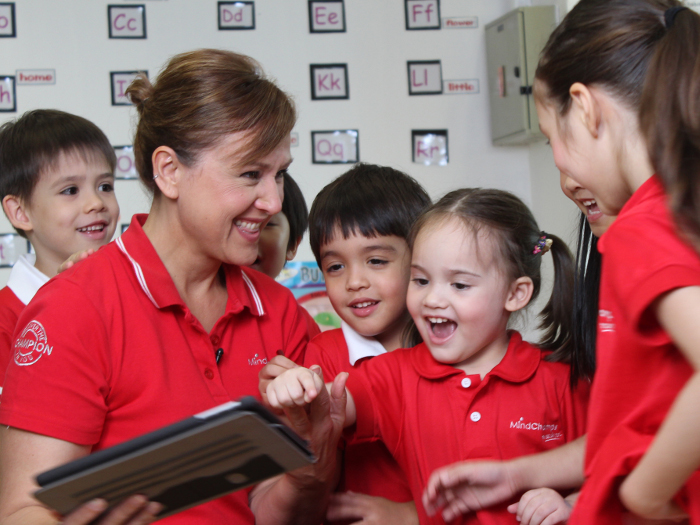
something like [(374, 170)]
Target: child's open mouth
[(592, 210), (442, 328)]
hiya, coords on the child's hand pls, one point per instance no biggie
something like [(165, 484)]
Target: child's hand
[(467, 486), (541, 507), (296, 387), (271, 370), (370, 510), (75, 258)]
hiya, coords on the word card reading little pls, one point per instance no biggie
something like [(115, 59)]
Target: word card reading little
[(7, 20), (422, 14), (335, 147), (430, 147), (127, 21), (461, 87), (236, 15), (326, 16)]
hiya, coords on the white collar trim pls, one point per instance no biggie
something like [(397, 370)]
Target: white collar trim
[(360, 346), (25, 280)]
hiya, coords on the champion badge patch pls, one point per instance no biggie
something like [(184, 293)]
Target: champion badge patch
[(31, 344)]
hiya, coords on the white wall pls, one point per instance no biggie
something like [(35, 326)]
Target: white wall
[(71, 37)]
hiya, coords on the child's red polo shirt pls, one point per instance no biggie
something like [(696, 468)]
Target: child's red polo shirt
[(429, 414), (10, 308), (368, 468), (108, 351), (639, 370)]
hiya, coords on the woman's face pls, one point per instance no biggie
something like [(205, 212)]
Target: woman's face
[(224, 203)]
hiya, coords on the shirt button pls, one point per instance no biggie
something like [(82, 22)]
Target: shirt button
[(466, 382), (475, 416), (214, 340), (209, 374)]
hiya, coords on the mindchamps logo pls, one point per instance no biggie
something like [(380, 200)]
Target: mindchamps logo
[(549, 432), (31, 344), (256, 361)]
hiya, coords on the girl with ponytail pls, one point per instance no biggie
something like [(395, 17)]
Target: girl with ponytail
[(618, 96)]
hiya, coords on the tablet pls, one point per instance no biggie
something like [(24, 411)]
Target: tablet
[(195, 460)]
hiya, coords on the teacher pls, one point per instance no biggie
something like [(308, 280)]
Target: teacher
[(164, 322)]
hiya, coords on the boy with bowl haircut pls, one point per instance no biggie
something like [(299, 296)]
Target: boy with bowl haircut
[(358, 229), (57, 190)]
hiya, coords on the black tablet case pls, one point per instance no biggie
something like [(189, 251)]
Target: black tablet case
[(184, 464)]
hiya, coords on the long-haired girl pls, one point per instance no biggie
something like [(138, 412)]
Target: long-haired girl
[(642, 448)]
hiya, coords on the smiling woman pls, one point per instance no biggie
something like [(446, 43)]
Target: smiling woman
[(170, 323)]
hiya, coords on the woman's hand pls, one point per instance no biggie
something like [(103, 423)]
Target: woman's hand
[(23, 455), (370, 510), (541, 507), (301, 496), (136, 510)]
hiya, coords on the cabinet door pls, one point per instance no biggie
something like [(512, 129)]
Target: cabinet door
[(506, 75)]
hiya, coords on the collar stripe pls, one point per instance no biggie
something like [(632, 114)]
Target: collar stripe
[(138, 271), (254, 292)]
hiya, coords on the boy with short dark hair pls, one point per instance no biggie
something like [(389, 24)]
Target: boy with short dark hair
[(57, 190), (359, 225)]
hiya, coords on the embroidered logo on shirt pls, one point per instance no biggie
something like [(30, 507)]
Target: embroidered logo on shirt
[(255, 360), (549, 432), (606, 321), (31, 344)]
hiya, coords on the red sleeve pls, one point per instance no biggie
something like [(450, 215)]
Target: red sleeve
[(376, 389), (10, 308), (328, 350), (667, 263), (58, 386)]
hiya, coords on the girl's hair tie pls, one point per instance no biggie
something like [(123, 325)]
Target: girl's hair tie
[(670, 15), (542, 245)]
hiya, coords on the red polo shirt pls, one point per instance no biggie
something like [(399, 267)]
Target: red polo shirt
[(429, 414), (22, 285), (10, 308), (108, 351), (368, 468), (639, 371)]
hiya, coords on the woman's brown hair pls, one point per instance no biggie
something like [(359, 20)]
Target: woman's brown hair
[(504, 218), (670, 118), (199, 98)]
